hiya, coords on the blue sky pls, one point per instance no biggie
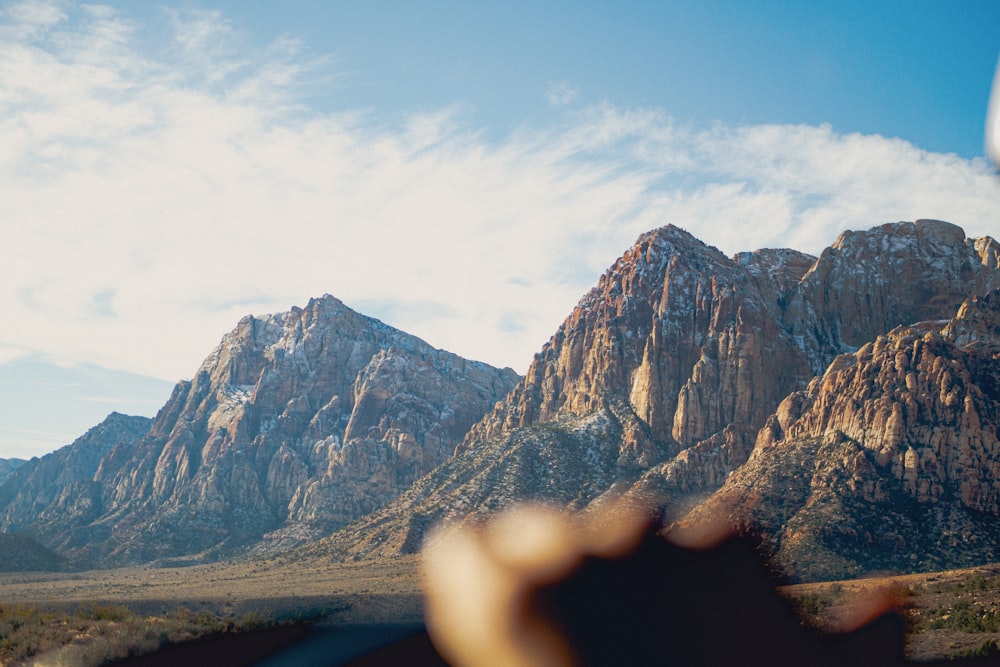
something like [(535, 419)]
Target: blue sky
[(917, 70), (461, 170)]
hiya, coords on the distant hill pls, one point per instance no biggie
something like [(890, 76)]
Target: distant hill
[(20, 553), (7, 466), (52, 496)]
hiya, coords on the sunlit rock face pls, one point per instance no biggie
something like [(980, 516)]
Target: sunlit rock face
[(657, 387), (658, 382), (296, 423), (890, 460)]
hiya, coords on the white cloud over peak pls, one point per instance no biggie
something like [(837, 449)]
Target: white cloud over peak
[(150, 198)]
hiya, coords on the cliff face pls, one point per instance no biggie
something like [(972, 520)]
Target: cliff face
[(660, 383), (683, 354), (52, 495), (296, 423), (695, 342), (675, 331), (889, 460)]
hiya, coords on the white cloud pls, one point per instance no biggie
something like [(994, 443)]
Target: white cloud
[(993, 120), (12, 352), (150, 201), (561, 93)]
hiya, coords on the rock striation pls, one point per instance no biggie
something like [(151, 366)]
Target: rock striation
[(296, 424), (890, 460), (682, 354), (51, 496)]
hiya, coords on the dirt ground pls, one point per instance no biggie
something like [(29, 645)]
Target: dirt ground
[(949, 614), (363, 592)]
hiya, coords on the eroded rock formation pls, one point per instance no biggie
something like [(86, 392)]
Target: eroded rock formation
[(889, 460), (295, 424), (684, 354)]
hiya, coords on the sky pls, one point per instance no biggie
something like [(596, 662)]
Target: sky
[(464, 171)]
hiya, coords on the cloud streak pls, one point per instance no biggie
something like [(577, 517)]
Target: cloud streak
[(152, 196)]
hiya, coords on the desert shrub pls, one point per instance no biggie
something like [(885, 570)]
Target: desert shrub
[(98, 633), (967, 617), (104, 612), (812, 603), (985, 650)]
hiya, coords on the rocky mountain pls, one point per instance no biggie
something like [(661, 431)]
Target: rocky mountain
[(7, 466), (890, 460), (797, 392), (296, 424), (50, 496), (658, 382)]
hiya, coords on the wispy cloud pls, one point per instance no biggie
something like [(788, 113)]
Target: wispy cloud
[(119, 401), (151, 198), (12, 352), (561, 93)]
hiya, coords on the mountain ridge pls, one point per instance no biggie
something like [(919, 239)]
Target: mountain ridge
[(326, 430), (294, 424), (684, 354)]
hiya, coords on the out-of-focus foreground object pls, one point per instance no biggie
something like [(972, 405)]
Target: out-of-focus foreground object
[(537, 586), (993, 121)]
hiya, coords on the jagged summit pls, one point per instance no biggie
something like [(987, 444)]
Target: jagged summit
[(296, 423), (872, 362), (658, 382), (8, 466)]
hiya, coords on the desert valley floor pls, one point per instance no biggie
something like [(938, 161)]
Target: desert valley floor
[(950, 614)]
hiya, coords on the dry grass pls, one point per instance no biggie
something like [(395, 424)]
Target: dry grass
[(949, 614), (80, 619), (95, 634)]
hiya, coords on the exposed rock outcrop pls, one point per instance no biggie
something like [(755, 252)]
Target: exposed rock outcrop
[(685, 354), (51, 496), (889, 460), (295, 424)]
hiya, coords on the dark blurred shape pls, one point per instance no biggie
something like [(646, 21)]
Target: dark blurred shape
[(636, 599), (666, 604)]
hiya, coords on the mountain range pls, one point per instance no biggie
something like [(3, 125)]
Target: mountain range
[(840, 407)]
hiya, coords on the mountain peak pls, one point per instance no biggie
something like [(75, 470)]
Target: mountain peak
[(867, 374), (297, 422), (660, 379)]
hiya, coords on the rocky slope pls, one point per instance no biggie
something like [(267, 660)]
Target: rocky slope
[(659, 380), (52, 495), (888, 461), (295, 424), (8, 466)]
